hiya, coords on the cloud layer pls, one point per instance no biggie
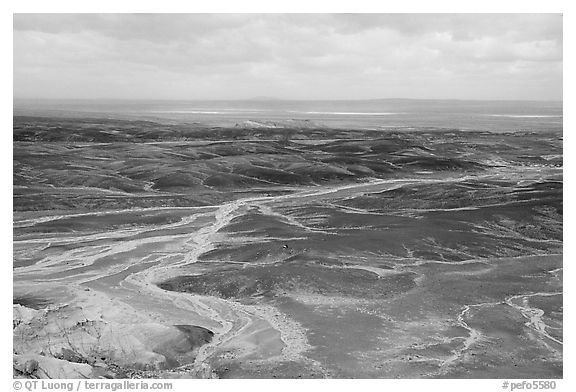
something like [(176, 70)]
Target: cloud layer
[(293, 56)]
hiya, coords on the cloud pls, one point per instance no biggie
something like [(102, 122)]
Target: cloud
[(189, 56)]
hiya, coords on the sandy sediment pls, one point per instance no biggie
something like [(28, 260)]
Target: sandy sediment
[(109, 317)]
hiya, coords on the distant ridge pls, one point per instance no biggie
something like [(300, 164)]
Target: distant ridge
[(263, 98)]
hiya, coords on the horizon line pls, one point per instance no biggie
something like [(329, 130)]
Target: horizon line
[(274, 99)]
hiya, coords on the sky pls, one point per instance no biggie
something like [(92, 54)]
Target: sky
[(288, 56)]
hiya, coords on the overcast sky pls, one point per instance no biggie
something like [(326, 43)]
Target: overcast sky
[(291, 56)]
